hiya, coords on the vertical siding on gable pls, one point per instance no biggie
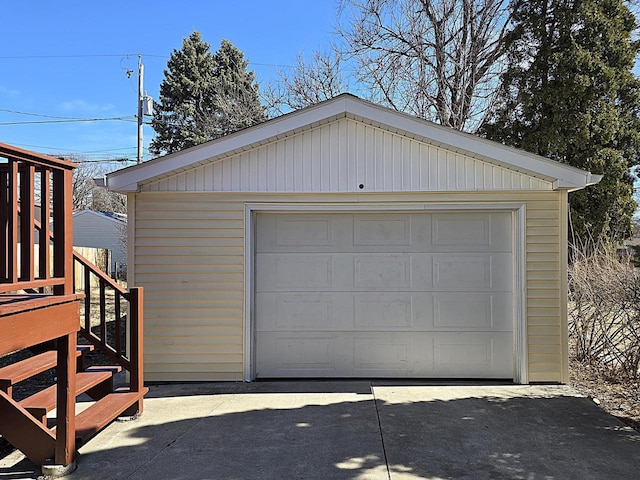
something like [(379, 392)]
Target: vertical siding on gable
[(338, 157), (189, 257)]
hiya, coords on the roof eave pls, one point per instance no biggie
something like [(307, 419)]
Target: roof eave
[(561, 175)]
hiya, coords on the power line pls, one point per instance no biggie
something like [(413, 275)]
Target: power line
[(39, 114), (49, 148), (130, 118), (99, 55), (113, 160), (90, 55)]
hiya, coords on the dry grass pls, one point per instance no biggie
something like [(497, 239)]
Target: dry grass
[(604, 329), (604, 314), (620, 398)]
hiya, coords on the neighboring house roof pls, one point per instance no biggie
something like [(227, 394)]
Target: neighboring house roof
[(346, 105), (110, 216)]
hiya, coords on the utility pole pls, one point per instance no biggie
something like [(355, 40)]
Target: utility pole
[(140, 112)]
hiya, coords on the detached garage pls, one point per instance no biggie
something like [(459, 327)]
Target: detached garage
[(349, 240)]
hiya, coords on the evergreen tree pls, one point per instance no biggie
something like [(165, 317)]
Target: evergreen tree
[(204, 96), (569, 94), (236, 93)]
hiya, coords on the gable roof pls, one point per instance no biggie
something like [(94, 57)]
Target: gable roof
[(108, 216), (346, 105)]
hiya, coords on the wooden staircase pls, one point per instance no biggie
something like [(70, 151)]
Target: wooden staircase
[(41, 305)]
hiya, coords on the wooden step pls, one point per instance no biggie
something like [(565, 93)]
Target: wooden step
[(104, 411), (19, 371), (25, 432), (96, 381)]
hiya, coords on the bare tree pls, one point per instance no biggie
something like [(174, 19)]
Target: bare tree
[(83, 185), (436, 59), (86, 195), (107, 201), (309, 82)]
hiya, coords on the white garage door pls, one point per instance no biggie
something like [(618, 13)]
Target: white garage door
[(384, 295)]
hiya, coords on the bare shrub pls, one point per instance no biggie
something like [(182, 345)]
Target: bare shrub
[(604, 315)]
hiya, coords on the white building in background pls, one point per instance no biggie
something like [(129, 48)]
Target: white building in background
[(102, 230)]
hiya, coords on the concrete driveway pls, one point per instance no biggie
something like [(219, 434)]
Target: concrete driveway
[(358, 430)]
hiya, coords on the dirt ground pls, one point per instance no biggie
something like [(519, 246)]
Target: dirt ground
[(619, 398)]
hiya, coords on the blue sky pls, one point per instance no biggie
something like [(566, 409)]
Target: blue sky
[(68, 59)]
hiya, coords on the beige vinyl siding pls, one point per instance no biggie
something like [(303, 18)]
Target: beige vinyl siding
[(189, 257), (545, 333), (338, 157)]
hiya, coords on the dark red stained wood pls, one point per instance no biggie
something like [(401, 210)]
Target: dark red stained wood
[(118, 323), (27, 320), (103, 312), (136, 302), (63, 231), (12, 234), (87, 299), (17, 372), (45, 232), (44, 401), (27, 218), (96, 417), (25, 432), (4, 221), (33, 326), (99, 273), (12, 287), (9, 151), (66, 400)]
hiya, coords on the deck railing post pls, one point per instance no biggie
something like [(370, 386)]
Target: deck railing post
[(136, 325), (66, 401), (63, 230), (12, 256), (136, 301)]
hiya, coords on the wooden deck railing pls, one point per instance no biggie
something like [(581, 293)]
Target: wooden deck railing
[(28, 179), (39, 301), (105, 326)]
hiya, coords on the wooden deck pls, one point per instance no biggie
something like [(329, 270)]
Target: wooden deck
[(39, 304)]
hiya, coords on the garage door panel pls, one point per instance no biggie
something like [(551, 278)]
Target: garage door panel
[(302, 233), (472, 272), (472, 232), (382, 271), (387, 356), (300, 311), (486, 355), (383, 310), (298, 355), (293, 231), (473, 311), (382, 230), (325, 272)]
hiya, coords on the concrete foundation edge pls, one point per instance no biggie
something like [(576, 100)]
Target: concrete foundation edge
[(49, 470)]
